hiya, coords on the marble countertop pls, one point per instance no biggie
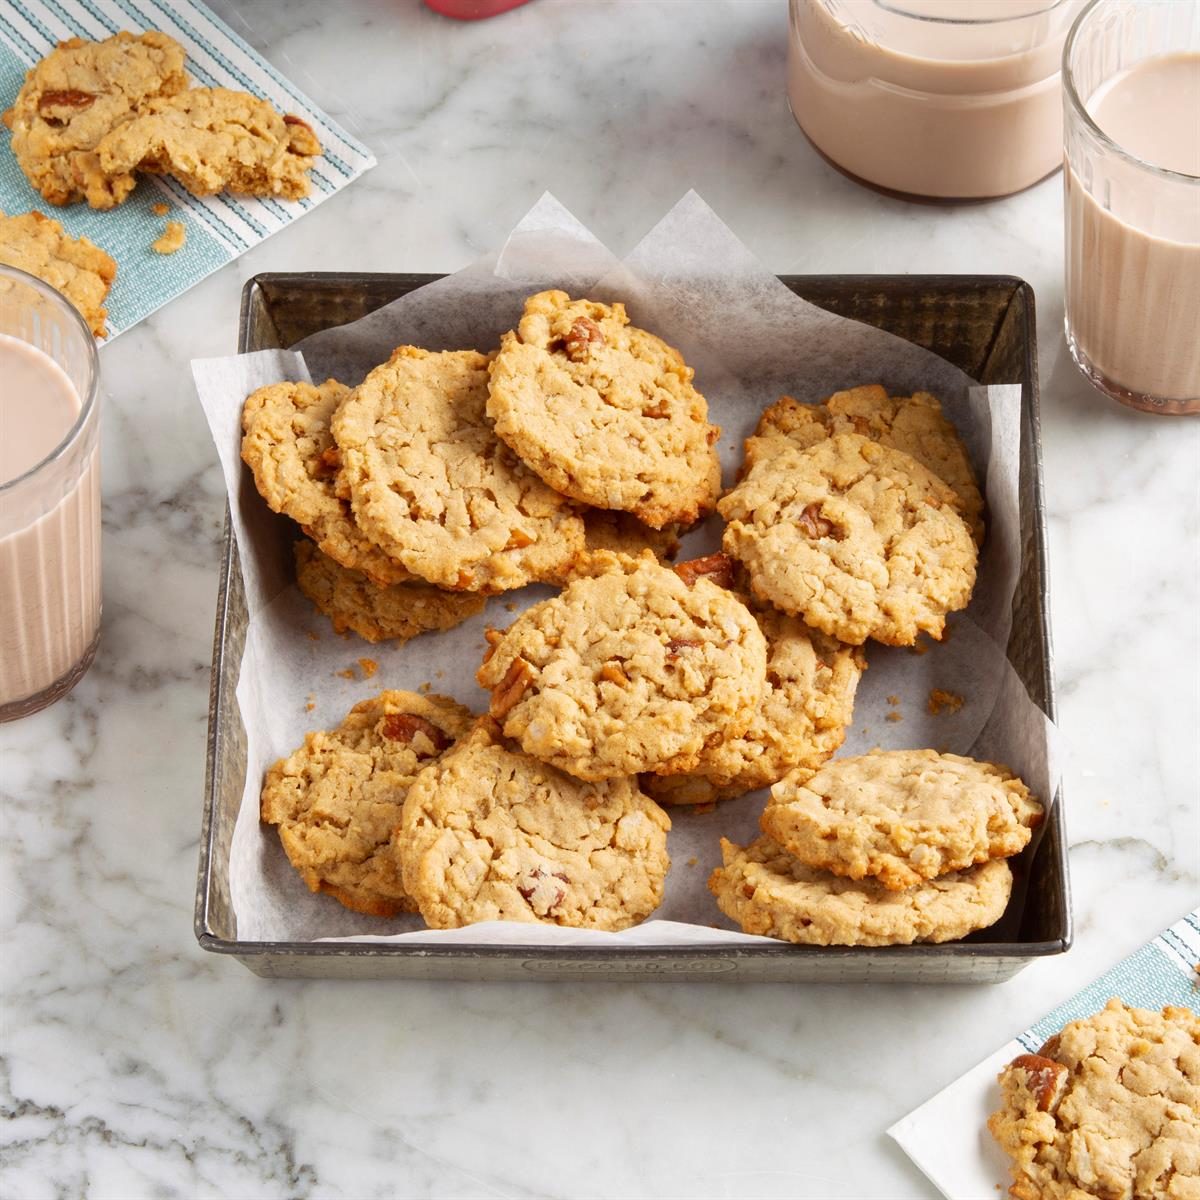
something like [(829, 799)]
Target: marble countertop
[(136, 1065)]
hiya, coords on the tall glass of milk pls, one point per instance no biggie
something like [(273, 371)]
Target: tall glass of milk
[(1131, 88), (49, 495)]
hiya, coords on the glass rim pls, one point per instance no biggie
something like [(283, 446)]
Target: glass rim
[(966, 22), (93, 357), (1080, 108)]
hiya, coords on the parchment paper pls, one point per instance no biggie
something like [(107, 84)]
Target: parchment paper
[(750, 340)]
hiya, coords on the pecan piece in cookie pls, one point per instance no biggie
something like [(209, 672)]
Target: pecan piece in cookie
[(815, 525), (580, 338), (404, 727), (1045, 1079), (717, 568), (511, 688)]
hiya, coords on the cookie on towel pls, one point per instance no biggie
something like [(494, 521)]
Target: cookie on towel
[(901, 816), (605, 412), (77, 94), (855, 538), (1109, 1106), (490, 834), (74, 267), (337, 799), (433, 486), (767, 891)]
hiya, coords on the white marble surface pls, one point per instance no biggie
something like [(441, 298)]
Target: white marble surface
[(135, 1065)]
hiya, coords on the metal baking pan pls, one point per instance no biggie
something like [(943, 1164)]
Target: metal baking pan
[(981, 323)]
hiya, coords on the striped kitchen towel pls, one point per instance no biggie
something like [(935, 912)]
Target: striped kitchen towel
[(947, 1136), (219, 228)]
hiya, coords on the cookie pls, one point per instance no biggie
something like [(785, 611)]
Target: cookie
[(396, 613), (337, 799), (1109, 1107), (288, 446), (432, 484), (806, 707), (857, 539), (605, 412), (490, 834), (75, 267), (767, 891), (629, 670), (901, 816), (618, 533), (913, 424), (80, 92), (214, 140)]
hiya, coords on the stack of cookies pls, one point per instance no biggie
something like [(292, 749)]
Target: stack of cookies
[(889, 848), (572, 455)]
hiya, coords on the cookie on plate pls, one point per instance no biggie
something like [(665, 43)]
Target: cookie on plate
[(630, 670), (75, 267), (288, 446), (802, 718), (337, 799), (214, 140), (490, 834), (77, 94), (857, 539), (396, 613), (901, 816), (1109, 1107), (605, 412), (432, 484), (767, 891), (914, 424)]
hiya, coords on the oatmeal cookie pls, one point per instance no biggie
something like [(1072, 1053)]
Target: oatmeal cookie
[(1109, 1107), (629, 670), (901, 816), (399, 612), (605, 412), (857, 539), (767, 891), (913, 424), (288, 446), (213, 140), (432, 484), (490, 834), (75, 267), (802, 718), (337, 799), (80, 92)]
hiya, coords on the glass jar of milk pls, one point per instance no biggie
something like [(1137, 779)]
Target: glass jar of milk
[(950, 99), (49, 495), (1131, 75)]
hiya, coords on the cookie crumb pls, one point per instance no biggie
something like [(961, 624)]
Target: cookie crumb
[(348, 673), (894, 717), (893, 700), (425, 688), (439, 674), (943, 702), (312, 635), (369, 667), (311, 702), (160, 209), (172, 239), (510, 606), (691, 862)]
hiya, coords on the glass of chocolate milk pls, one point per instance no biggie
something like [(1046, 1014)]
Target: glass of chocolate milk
[(1131, 88), (49, 495)]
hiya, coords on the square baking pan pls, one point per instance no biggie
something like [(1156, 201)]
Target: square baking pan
[(985, 325)]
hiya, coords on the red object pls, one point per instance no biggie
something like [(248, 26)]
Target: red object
[(473, 10)]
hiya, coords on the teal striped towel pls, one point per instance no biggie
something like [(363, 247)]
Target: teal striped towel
[(947, 1136), (219, 228)]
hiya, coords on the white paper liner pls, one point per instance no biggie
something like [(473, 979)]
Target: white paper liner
[(750, 340)]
